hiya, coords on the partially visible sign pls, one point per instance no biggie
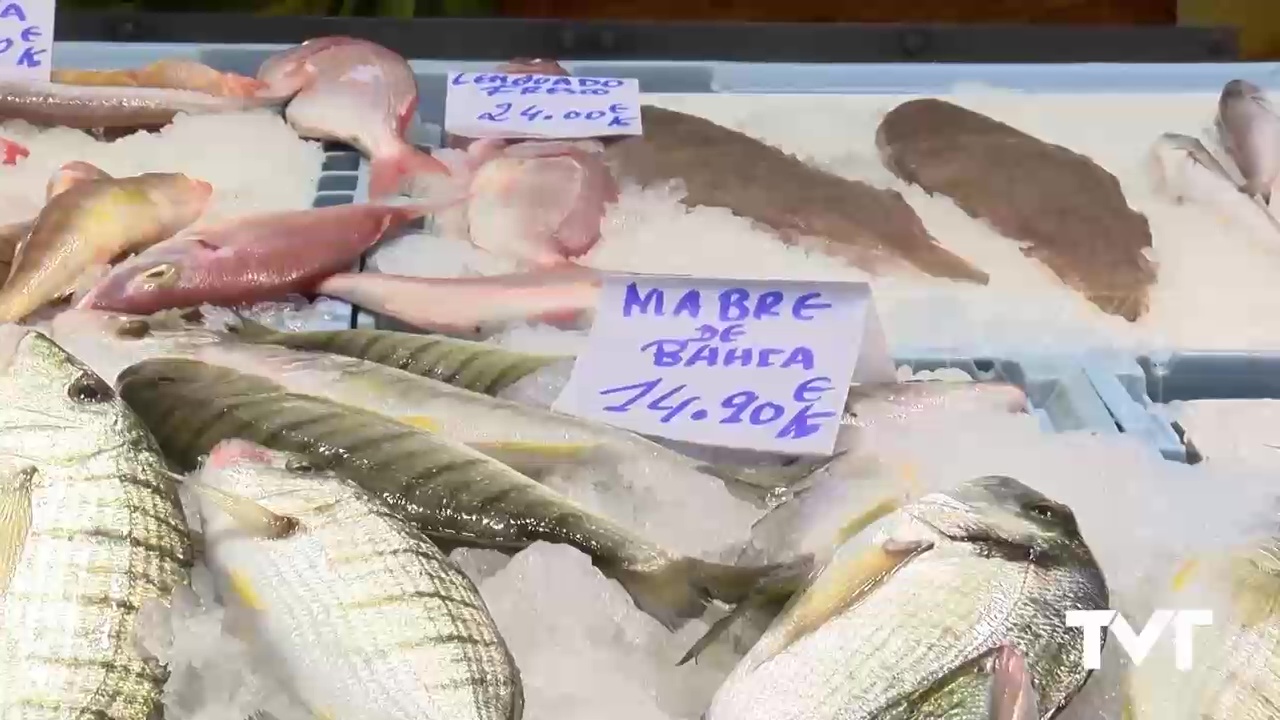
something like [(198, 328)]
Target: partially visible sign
[(762, 365), (505, 105), (26, 39)]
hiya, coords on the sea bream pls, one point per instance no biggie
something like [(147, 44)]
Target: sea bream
[(1061, 207), (953, 607), (369, 620), (1250, 131), (356, 92), (90, 531), (89, 224), (246, 260), (453, 493), (12, 234)]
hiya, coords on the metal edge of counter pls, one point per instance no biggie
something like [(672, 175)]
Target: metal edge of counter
[(503, 38)]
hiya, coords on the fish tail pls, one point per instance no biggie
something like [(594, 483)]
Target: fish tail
[(682, 589), (942, 263), (389, 174), (247, 329)]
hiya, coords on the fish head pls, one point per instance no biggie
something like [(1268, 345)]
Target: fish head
[(265, 475), (180, 200), (1240, 89), (1003, 511), (52, 401), (110, 341), (158, 279)]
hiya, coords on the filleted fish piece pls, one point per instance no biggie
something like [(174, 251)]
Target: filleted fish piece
[(953, 607), (369, 619), (90, 531)]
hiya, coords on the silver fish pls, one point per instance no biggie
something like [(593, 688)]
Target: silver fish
[(453, 493), (90, 530), (953, 607), (1250, 131), (367, 617)]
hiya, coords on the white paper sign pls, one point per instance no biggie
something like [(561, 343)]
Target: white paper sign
[(26, 39), (754, 364), (506, 105)]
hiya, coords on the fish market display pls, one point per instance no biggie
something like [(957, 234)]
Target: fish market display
[(89, 224), (369, 618), (872, 228), (263, 257), (453, 493), (173, 73), (474, 306), (90, 531), (953, 609), (359, 93), (1070, 212), (1250, 132), (112, 106)]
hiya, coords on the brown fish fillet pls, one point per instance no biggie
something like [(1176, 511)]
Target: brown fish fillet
[(1067, 211), (873, 228)]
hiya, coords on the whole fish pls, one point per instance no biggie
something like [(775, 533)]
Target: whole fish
[(1184, 170), (90, 224), (246, 260), (451, 492), (90, 530), (475, 366), (1236, 670), (1065, 210), (953, 607), (174, 73), (539, 202), (89, 107), (368, 618), (473, 306), (359, 93), (12, 234), (1250, 132)]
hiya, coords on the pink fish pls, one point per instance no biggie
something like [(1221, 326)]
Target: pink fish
[(538, 202), (359, 93), (471, 306), (247, 260)]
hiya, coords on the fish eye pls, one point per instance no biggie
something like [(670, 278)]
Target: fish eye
[(89, 388), (134, 329), (300, 466), (1049, 511), (164, 273), (166, 380)]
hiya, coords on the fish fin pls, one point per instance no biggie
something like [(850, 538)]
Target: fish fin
[(421, 422), (242, 588), (248, 330), (248, 515), (683, 588), (844, 585), (15, 521), (1012, 695), (795, 477), (389, 174), (533, 457), (1183, 575), (776, 587), (1265, 197)]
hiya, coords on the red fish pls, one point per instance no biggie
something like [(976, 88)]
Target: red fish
[(473, 305), (359, 93), (254, 259)]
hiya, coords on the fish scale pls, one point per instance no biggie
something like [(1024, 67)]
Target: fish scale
[(370, 620), (106, 535)]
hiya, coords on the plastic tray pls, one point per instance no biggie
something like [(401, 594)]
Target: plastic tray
[(1136, 390)]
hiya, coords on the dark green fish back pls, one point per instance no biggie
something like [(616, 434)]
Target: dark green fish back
[(469, 365), (448, 490)]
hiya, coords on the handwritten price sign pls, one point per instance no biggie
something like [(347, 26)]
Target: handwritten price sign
[(483, 105), (26, 39), (762, 365)]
